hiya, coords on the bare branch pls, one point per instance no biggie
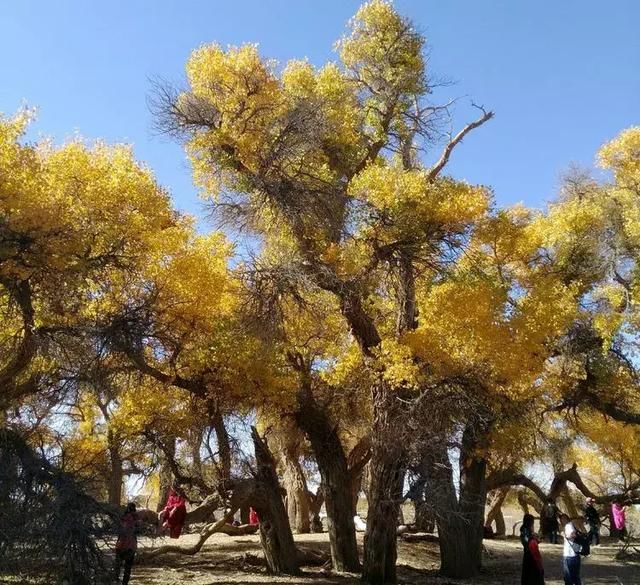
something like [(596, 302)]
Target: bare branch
[(457, 139)]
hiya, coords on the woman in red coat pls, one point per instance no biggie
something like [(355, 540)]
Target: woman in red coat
[(174, 513), (532, 569)]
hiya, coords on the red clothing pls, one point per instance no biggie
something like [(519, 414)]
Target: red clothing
[(127, 539), (253, 517), (174, 514), (535, 553)]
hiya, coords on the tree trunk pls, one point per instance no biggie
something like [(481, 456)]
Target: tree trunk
[(165, 476), (224, 445), (275, 533), (336, 484), (315, 504), (572, 510), (494, 514), (115, 480), (425, 519), (424, 513), (385, 493), (297, 498), (460, 520)]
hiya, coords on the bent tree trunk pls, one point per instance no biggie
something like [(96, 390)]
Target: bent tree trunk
[(275, 533), (336, 483), (461, 519), (385, 493), (494, 514)]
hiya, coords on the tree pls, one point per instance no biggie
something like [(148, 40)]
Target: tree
[(303, 154), (66, 240)]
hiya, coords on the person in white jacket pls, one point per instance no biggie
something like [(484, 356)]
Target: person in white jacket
[(570, 558)]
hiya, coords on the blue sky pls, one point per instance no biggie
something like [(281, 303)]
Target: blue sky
[(562, 76)]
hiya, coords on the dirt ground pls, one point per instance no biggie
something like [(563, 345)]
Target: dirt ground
[(220, 561)]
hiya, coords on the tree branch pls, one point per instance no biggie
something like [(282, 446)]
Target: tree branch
[(457, 139)]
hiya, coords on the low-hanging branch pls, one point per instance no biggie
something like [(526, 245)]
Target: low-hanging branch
[(511, 478)]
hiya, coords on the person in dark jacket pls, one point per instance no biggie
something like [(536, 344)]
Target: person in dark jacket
[(127, 543), (532, 568), (549, 521), (592, 519)]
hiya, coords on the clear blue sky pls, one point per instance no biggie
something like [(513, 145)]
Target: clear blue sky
[(563, 76)]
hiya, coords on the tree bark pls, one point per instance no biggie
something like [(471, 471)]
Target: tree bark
[(115, 480), (494, 514), (425, 519), (224, 445), (387, 467), (297, 498), (166, 476), (572, 510), (460, 519), (336, 484), (275, 532)]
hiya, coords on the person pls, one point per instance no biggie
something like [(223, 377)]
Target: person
[(174, 513), (253, 517), (532, 568), (127, 543), (570, 557), (549, 521), (618, 519), (592, 519)]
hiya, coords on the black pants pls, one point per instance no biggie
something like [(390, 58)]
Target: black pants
[(571, 570), (124, 556), (552, 535), (594, 533)]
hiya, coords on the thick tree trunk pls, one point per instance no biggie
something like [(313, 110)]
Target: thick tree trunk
[(275, 533), (425, 519), (165, 475), (336, 484), (460, 520), (297, 497), (387, 470), (424, 512)]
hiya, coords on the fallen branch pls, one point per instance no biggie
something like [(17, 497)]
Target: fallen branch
[(208, 531)]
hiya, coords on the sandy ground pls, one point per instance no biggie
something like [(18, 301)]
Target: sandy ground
[(220, 562)]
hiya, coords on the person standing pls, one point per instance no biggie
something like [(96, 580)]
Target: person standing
[(570, 557), (549, 521), (618, 519), (532, 568), (127, 543), (592, 519)]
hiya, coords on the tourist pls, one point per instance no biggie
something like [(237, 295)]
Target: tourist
[(592, 519), (549, 521), (570, 556), (532, 569), (618, 520), (174, 513), (127, 543)]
